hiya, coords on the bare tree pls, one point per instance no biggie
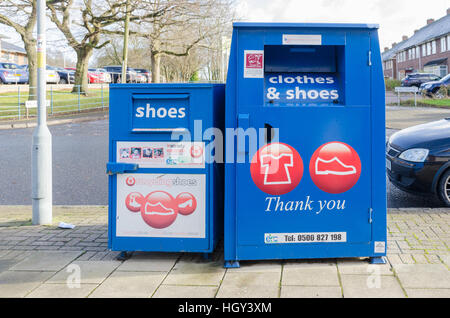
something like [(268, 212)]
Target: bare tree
[(21, 16)]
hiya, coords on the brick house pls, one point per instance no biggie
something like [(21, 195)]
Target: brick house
[(12, 53), (428, 50)]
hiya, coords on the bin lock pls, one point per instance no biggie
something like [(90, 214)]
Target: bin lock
[(115, 167)]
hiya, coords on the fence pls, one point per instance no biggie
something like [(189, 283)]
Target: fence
[(61, 99)]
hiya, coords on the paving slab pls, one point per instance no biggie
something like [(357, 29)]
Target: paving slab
[(428, 293), (129, 285), (91, 272), (367, 286), (250, 284), (46, 261), (196, 272), (310, 274), (362, 267), (248, 292), (310, 292), (171, 291), (423, 275), (258, 267), (6, 264), (62, 291), (19, 284), (150, 262)]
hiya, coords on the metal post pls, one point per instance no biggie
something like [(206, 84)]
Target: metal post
[(51, 99), (102, 97), (41, 193), (18, 100), (125, 44), (79, 87), (398, 98), (415, 99)]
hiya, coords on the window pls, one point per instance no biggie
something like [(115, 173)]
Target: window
[(417, 52), (443, 44), (448, 42), (424, 50), (433, 47), (429, 48)]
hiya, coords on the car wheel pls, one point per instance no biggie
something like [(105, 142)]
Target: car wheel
[(444, 188)]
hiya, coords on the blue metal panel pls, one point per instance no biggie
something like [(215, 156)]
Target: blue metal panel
[(316, 187), (161, 117)]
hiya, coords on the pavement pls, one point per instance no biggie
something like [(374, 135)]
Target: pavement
[(84, 116), (400, 117), (46, 261)]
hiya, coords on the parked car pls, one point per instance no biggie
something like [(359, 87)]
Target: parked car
[(115, 71), (417, 79), (65, 76), (432, 89), (418, 159), (11, 73), (101, 74), (52, 75), (145, 73)]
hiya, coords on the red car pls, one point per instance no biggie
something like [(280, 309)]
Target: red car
[(94, 77)]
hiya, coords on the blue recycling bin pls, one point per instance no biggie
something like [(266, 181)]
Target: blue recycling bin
[(305, 175), (164, 189)]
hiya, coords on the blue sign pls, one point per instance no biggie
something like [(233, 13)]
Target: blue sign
[(295, 89), (159, 112)]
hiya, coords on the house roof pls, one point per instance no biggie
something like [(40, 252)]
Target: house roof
[(428, 32), (9, 47)]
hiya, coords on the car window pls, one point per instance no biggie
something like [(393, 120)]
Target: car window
[(9, 66)]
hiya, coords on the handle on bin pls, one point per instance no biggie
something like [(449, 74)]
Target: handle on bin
[(120, 167), (244, 123)]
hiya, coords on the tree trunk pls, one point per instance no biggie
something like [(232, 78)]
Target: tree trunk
[(81, 74), (30, 48), (156, 68)]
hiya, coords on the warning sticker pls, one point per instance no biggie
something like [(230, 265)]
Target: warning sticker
[(253, 64), (380, 247)]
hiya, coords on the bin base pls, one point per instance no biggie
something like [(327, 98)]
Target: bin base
[(123, 256), (378, 260), (231, 264)]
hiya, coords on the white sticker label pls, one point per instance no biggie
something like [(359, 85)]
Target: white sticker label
[(253, 64), (161, 205), (318, 237), (162, 154), (380, 247), (302, 39)]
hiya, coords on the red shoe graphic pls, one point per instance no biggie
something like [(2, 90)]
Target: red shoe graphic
[(334, 166), (159, 210)]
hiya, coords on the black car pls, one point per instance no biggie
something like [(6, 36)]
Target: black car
[(65, 76), (417, 79), (432, 89), (418, 159), (115, 72)]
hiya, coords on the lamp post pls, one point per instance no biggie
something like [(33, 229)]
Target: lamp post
[(41, 193)]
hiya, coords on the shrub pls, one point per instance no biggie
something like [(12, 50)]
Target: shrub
[(391, 84)]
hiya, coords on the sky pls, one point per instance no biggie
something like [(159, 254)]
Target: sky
[(395, 17)]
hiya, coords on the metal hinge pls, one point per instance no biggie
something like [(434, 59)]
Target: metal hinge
[(370, 215), (370, 58)]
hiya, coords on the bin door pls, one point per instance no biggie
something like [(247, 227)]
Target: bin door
[(318, 181)]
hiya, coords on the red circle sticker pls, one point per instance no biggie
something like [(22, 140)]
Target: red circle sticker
[(276, 168), (130, 181), (186, 203), (134, 201), (159, 209), (196, 151), (335, 167)]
